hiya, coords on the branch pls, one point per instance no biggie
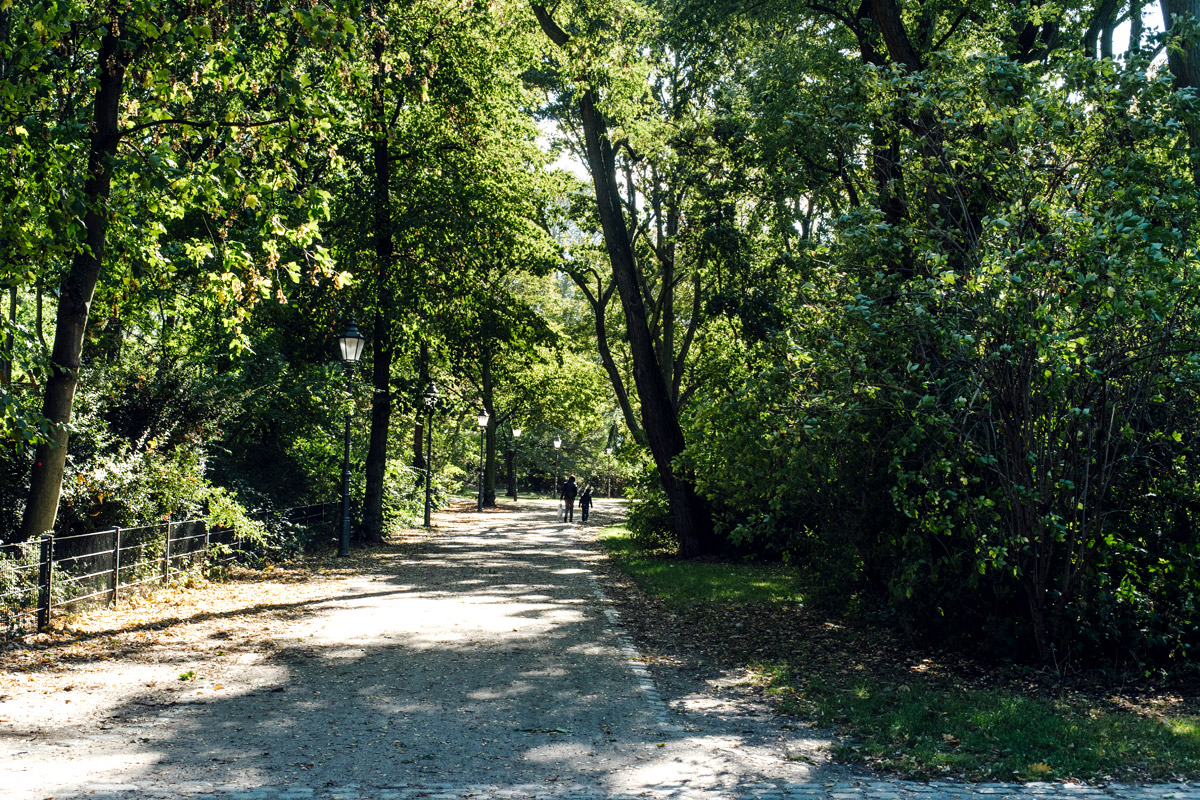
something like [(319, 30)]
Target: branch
[(549, 26), (836, 14), (690, 334), (962, 15), (195, 124), (599, 302), (891, 26)]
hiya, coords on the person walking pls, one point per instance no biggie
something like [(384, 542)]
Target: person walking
[(585, 503), (568, 492)]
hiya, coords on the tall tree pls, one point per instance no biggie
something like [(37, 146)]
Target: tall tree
[(660, 419), (135, 133), (436, 137)]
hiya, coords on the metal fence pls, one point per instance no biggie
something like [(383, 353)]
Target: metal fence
[(68, 573)]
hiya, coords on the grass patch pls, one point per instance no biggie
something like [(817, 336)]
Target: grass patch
[(917, 712), (927, 731), (686, 583)]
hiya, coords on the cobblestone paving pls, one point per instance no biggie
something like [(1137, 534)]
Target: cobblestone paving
[(489, 664), (862, 789)]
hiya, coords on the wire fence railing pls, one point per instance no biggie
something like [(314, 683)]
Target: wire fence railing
[(68, 573)]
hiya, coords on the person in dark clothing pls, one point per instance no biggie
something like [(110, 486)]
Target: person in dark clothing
[(568, 492), (585, 503)]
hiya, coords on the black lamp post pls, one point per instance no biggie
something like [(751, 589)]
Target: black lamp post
[(483, 421), (608, 482), (516, 436), (557, 455), (431, 399), (350, 344)]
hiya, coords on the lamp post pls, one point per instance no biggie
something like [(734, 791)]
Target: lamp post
[(516, 432), (350, 344), (608, 475), (483, 421), (431, 399), (557, 455)]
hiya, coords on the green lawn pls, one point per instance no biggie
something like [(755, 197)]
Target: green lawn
[(916, 713), (684, 584)]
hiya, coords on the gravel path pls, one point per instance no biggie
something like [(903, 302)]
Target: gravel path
[(486, 662)]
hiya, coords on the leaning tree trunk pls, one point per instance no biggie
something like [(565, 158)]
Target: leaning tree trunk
[(75, 299), (381, 364), (689, 515), (1185, 66)]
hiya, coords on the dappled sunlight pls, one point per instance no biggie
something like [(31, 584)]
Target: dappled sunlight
[(80, 770), (477, 658)]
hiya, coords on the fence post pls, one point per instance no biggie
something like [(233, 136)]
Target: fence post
[(166, 564), (114, 580), (45, 581), (204, 558)]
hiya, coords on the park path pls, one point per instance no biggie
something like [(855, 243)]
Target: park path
[(487, 662)]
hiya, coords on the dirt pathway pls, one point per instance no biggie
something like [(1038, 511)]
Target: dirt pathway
[(484, 660)]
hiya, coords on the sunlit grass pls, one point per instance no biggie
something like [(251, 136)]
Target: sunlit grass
[(993, 734), (685, 583)]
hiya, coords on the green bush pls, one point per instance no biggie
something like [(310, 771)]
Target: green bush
[(649, 515), (991, 441)]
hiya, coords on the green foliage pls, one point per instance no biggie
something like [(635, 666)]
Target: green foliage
[(454, 478), (404, 494), (225, 511), (648, 517), (137, 455), (649, 521), (1037, 453), (981, 411), (18, 587), (928, 318)]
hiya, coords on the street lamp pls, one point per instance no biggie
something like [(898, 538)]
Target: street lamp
[(483, 421), (513, 466), (608, 482), (557, 455), (431, 399), (350, 344)]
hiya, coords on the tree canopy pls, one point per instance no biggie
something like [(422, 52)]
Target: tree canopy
[(902, 294)]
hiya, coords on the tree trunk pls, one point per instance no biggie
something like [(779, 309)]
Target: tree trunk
[(489, 434), (689, 515), (895, 36), (510, 459), (1136, 26), (6, 370), (1042, 642), (419, 409), (381, 367), (1185, 66), (10, 341), (75, 300), (599, 303), (1100, 30)]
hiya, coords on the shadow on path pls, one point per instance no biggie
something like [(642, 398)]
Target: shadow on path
[(485, 656)]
